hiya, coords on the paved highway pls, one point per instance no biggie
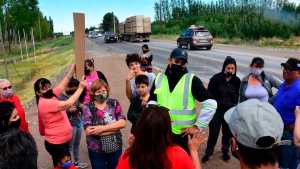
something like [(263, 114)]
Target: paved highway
[(206, 63)]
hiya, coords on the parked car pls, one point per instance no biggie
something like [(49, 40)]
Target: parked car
[(93, 35), (110, 37), (195, 37)]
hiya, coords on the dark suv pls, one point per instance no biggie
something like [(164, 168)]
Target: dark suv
[(195, 37), (110, 37)]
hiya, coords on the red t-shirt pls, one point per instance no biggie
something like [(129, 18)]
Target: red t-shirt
[(21, 112), (178, 158), (54, 124)]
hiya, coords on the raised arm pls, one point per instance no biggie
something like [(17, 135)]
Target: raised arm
[(63, 83), (63, 105)]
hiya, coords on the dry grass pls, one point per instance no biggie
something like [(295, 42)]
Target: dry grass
[(49, 64)]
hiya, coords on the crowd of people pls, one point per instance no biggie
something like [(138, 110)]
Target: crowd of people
[(170, 113)]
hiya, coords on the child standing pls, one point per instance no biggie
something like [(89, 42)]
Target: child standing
[(140, 101), (74, 115)]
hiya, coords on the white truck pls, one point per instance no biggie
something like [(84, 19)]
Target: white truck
[(135, 29)]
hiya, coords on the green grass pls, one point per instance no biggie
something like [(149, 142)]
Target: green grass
[(57, 55)]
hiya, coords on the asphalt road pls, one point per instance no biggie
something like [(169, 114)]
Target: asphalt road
[(206, 63)]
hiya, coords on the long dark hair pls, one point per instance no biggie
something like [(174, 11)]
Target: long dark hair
[(152, 138), (40, 83)]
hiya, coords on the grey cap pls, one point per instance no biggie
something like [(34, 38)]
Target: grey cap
[(252, 121)]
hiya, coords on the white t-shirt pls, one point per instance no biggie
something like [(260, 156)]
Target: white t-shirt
[(151, 77)]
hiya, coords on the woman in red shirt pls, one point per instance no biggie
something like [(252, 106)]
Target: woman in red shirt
[(152, 147), (7, 95)]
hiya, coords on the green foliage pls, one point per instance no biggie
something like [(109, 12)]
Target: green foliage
[(246, 19), (109, 19), (22, 16)]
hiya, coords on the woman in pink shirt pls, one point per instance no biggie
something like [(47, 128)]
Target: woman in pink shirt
[(54, 124), (90, 75)]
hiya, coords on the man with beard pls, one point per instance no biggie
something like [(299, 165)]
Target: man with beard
[(18, 148), (178, 90)]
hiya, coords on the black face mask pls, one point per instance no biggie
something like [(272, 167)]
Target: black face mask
[(70, 92), (6, 127), (15, 124), (87, 71), (176, 69), (228, 74), (48, 94)]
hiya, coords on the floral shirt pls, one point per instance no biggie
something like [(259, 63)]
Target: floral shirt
[(93, 117)]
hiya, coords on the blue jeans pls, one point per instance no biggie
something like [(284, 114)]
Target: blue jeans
[(75, 143), (288, 154), (104, 160)]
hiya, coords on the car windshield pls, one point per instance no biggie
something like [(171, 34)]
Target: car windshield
[(202, 33)]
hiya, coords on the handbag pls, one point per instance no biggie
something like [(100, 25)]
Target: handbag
[(110, 143)]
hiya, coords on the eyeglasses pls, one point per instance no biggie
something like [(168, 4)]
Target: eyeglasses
[(6, 88)]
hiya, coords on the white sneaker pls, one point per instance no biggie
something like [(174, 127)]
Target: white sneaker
[(81, 165)]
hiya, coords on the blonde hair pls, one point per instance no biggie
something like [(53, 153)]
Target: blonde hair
[(4, 81)]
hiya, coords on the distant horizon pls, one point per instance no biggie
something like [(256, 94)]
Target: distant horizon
[(62, 12)]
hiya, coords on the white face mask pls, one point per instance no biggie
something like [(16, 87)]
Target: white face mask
[(256, 71)]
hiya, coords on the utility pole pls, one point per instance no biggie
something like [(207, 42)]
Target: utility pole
[(114, 22)]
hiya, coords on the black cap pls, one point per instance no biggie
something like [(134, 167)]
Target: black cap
[(178, 53), (291, 64)]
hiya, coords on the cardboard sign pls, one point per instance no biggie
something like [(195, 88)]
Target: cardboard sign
[(79, 38)]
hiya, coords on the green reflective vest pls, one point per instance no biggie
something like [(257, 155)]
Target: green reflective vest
[(180, 101)]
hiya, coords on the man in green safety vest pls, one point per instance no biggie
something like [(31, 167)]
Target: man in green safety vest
[(178, 90)]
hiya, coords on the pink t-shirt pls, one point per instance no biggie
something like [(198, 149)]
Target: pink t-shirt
[(178, 158), (54, 124), (89, 80)]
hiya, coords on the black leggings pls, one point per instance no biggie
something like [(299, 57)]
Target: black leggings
[(57, 151)]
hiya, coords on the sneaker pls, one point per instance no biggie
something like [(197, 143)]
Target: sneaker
[(225, 157), (205, 158), (81, 165)]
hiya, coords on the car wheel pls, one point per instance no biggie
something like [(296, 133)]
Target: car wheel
[(178, 45), (208, 47)]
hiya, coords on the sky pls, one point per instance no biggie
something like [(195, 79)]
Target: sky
[(94, 10), (61, 11)]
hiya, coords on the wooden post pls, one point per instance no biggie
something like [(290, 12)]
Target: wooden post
[(5, 55), (33, 44), (20, 45), (79, 37), (25, 40)]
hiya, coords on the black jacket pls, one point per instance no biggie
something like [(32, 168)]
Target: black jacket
[(226, 93), (198, 90)]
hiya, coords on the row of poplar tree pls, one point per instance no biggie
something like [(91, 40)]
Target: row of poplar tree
[(22, 19), (247, 19)]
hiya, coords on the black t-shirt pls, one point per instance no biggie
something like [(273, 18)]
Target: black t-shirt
[(134, 111)]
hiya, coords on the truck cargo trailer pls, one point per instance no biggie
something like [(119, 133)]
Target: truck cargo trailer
[(135, 29)]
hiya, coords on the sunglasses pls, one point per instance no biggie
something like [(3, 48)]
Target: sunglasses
[(6, 88)]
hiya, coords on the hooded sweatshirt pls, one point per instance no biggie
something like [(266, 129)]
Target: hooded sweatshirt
[(224, 92)]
